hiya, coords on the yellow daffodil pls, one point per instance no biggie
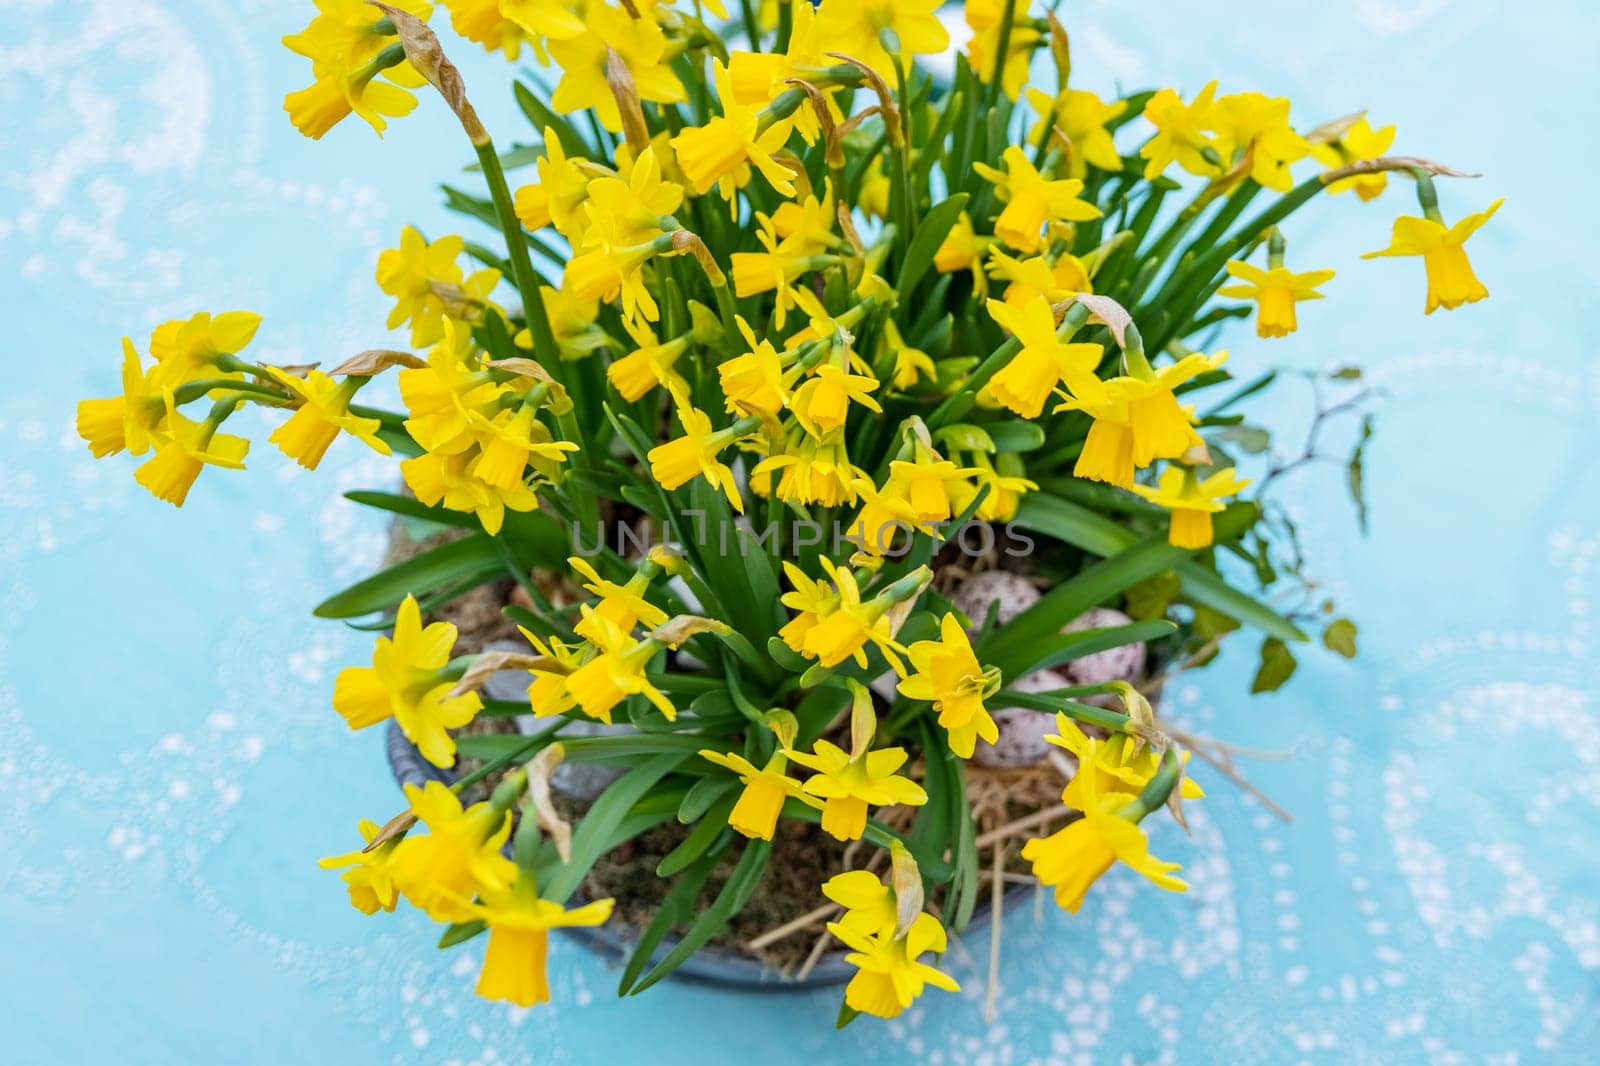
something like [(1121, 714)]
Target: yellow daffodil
[(752, 383), (1451, 281), (639, 204), (616, 672), (1358, 142), (407, 682), (711, 154), (366, 873), (447, 478), (482, 22), (638, 42), (986, 18), (810, 470), (765, 789), (1137, 419), (128, 421), (428, 285), (962, 249), (858, 29), (651, 365), (1006, 489), (1071, 860), (187, 348), (1031, 200), (822, 404), (1276, 290), (440, 871), (888, 974), (1116, 764), (611, 267), (946, 673), (1180, 133), (1044, 361), (623, 606), (849, 785), (562, 188), (869, 904), (323, 412), (682, 459), (1257, 124), (836, 625), (1191, 501), (1035, 276), (185, 448), (1081, 117), (350, 44), (519, 922)]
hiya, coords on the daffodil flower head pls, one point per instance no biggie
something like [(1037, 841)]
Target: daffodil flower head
[(1181, 135), (366, 873), (1192, 501), (458, 858), (616, 672), (1276, 290), (130, 421), (638, 42), (623, 606), (694, 454), (350, 44), (482, 22), (1451, 281), (1032, 200), (1117, 764), (185, 448), (324, 411), (859, 29), (849, 783), (889, 975), (1043, 362), (714, 153), (557, 198), (519, 921), (946, 672), (766, 788), (1072, 859), (1356, 142), (1081, 117), (407, 682)]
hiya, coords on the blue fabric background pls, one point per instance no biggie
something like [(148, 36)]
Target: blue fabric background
[(170, 768)]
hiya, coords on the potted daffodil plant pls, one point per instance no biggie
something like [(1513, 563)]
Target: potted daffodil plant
[(834, 424)]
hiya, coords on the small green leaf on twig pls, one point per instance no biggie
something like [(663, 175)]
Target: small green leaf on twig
[(1340, 636), (1277, 666)]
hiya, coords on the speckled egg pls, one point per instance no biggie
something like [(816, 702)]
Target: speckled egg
[(1022, 731), (1126, 663), (1013, 592)]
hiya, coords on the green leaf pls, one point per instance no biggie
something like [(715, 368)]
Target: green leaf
[(702, 794), (1345, 373), (592, 838), (699, 839), (931, 232), (1150, 598), (676, 907), (1015, 436), (411, 507), (729, 902), (466, 561), (1017, 658), (1277, 666), (1083, 528), (461, 932), (1251, 439), (1355, 473), (1340, 636)]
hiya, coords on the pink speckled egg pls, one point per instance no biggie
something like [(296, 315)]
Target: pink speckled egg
[(1126, 663), (1013, 592)]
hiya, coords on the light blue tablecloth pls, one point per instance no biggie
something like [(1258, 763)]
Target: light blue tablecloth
[(170, 768)]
